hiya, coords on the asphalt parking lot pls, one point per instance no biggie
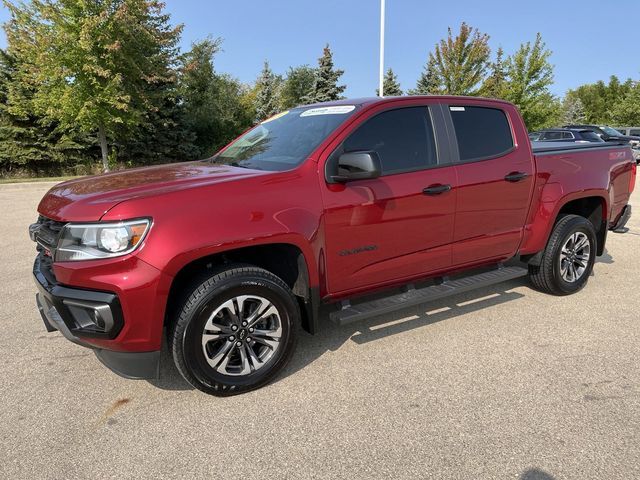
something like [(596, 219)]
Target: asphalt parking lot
[(503, 382)]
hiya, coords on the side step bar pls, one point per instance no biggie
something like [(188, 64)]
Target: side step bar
[(352, 313)]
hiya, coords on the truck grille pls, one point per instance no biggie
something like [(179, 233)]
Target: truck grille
[(45, 232)]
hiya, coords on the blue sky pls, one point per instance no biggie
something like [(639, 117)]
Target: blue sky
[(590, 40)]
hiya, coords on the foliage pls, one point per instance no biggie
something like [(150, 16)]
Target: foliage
[(267, 92), (428, 82), (603, 102), (27, 140), (94, 65), (572, 110), (495, 85), (326, 88), (81, 77), (626, 111), (460, 63), (211, 108), (391, 85), (530, 74), (297, 87)]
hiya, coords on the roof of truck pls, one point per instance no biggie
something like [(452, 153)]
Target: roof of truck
[(376, 100)]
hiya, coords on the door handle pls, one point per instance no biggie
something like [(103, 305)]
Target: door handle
[(436, 189), (515, 176)]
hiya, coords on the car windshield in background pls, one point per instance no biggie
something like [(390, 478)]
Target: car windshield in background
[(285, 140), (611, 131), (591, 136)]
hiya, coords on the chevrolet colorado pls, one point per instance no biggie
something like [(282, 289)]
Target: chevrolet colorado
[(319, 205)]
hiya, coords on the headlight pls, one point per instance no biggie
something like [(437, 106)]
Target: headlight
[(100, 240)]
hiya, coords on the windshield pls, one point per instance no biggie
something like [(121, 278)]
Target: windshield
[(285, 140), (611, 131), (591, 136)]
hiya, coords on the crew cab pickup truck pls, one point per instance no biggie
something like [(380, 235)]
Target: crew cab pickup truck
[(410, 199)]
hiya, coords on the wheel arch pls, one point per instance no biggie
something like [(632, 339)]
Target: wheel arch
[(590, 204), (286, 260)]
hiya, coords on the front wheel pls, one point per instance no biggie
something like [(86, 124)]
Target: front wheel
[(568, 258), (236, 331)]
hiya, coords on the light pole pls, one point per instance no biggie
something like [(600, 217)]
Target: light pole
[(381, 73)]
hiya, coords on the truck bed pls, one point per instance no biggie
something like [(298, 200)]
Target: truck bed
[(552, 147)]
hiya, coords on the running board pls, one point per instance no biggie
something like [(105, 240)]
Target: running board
[(352, 313)]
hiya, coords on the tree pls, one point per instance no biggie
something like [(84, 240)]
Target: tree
[(27, 140), (627, 111), (572, 110), (212, 106), (94, 65), (391, 86), (428, 83), (326, 88), (297, 87), (593, 97), (530, 74), (460, 63), (494, 85), (600, 100), (266, 101)]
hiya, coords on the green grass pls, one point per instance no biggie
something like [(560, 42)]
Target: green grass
[(35, 179)]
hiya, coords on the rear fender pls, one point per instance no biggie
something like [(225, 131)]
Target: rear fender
[(552, 200)]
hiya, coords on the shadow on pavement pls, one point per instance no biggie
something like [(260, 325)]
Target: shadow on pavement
[(332, 337), (536, 474)]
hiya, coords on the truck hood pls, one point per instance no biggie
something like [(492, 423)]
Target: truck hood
[(89, 198)]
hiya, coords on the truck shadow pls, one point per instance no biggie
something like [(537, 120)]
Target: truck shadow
[(536, 474), (332, 337), (605, 258)]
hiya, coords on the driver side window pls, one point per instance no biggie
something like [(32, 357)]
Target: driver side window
[(402, 138)]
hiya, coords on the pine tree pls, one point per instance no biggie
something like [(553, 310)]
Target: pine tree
[(326, 86), (27, 140), (297, 87), (266, 101), (95, 65), (428, 83), (461, 62), (391, 86), (494, 85)]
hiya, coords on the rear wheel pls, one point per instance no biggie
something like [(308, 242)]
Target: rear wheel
[(568, 258), (235, 331)]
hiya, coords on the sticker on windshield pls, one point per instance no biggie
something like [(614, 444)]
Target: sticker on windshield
[(456, 109), (275, 117), (335, 110)]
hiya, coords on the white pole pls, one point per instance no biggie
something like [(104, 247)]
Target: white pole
[(381, 78)]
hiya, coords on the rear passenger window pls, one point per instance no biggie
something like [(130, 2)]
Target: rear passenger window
[(481, 132), (403, 139)]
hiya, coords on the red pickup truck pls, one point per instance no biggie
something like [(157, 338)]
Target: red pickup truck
[(321, 204)]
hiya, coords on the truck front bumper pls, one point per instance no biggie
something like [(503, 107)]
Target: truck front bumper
[(86, 317)]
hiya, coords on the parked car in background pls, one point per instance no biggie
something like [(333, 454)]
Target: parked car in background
[(534, 136), (629, 131), (608, 134), (578, 135)]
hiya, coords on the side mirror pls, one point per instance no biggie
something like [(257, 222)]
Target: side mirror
[(357, 166)]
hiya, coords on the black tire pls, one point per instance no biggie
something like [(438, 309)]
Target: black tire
[(186, 336), (547, 276)]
